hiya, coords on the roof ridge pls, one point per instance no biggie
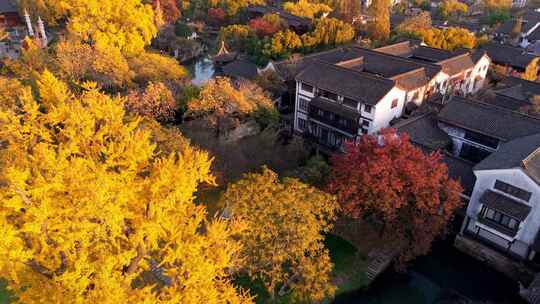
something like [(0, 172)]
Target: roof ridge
[(364, 74), (497, 108), (406, 122), (531, 155)]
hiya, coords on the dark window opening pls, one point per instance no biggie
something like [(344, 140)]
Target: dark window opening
[(367, 108), (307, 88), (473, 153), (328, 95), (482, 139), (513, 190)]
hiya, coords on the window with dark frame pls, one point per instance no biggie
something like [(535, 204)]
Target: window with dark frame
[(499, 218), (328, 95), (367, 108), (513, 190), (306, 87), (301, 124), (303, 104), (350, 103), (365, 123)]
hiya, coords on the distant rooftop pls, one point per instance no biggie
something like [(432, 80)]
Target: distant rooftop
[(487, 119)]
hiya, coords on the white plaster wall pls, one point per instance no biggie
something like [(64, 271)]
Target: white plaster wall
[(383, 113), (480, 69), (485, 179), (297, 113)]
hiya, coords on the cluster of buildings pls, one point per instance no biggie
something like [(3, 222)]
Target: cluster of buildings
[(17, 29), (439, 99)]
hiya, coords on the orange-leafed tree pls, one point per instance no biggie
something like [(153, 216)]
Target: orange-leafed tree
[(169, 10), (387, 179), (155, 101)]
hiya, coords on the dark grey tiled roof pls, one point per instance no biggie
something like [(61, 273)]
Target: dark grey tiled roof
[(488, 119), (505, 205), (508, 55), (359, 86), (7, 6), (241, 69), (530, 19), (288, 69), (403, 49), (523, 152), (435, 55), (423, 130), (529, 88), (508, 102), (535, 35), (462, 171), (457, 64)]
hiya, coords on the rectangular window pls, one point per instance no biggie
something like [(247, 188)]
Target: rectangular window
[(513, 190), (328, 95), (367, 108), (320, 113), (482, 139), (302, 124), (394, 103), (306, 87), (499, 218), (303, 104), (365, 123), (350, 103)]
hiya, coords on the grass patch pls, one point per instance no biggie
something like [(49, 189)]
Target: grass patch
[(5, 296), (349, 264)]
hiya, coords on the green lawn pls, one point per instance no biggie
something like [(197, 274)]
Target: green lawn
[(348, 273), (4, 294), (349, 264)]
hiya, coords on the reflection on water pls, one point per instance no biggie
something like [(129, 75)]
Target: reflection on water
[(444, 276), (201, 69)]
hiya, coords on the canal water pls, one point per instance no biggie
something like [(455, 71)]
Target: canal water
[(446, 276), (201, 70)]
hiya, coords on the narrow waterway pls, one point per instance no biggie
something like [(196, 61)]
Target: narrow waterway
[(444, 276), (201, 70)]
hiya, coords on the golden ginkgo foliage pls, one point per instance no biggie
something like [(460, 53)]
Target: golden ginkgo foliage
[(92, 212), (286, 222), (124, 24)]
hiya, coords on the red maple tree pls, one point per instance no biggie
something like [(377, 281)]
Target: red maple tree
[(170, 10), (384, 177), (263, 27), (216, 15)]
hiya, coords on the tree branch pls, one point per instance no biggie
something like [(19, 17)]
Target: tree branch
[(141, 252)]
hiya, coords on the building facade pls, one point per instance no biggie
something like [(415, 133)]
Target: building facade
[(503, 211), (345, 93)]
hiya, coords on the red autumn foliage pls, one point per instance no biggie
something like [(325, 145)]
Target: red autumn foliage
[(170, 10), (216, 15), (384, 177), (263, 27)]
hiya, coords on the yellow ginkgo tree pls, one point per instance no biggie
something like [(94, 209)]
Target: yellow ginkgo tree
[(91, 211), (283, 243)]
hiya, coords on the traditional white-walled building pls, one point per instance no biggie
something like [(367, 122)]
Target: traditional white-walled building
[(478, 129), (346, 92), (504, 209)]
